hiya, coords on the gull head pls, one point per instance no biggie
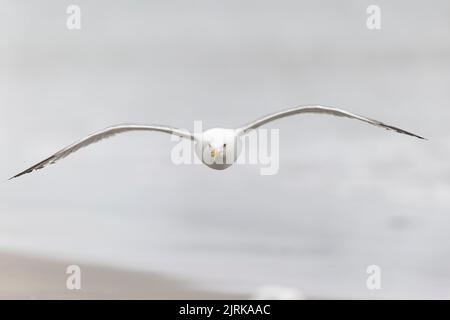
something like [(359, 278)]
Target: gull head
[(218, 148)]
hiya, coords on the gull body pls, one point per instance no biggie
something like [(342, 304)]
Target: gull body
[(218, 148)]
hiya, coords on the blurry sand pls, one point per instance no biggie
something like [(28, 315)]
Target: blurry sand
[(27, 277)]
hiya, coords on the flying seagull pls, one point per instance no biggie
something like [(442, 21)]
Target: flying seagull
[(218, 148)]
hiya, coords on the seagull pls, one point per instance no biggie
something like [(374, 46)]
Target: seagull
[(218, 148)]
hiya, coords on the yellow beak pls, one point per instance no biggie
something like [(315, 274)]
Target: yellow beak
[(214, 153)]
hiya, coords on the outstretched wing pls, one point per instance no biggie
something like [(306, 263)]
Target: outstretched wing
[(320, 110), (100, 135)]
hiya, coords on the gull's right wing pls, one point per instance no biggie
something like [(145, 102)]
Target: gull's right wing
[(100, 135)]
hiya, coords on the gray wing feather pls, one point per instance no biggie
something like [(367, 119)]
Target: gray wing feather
[(319, 110), (101, 135)]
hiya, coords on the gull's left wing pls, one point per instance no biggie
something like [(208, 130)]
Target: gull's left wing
[(318, 110)]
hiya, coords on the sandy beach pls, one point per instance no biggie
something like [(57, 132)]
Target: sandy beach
[(27, 277)]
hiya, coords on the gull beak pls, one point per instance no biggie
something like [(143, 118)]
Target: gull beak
[(214, 153)]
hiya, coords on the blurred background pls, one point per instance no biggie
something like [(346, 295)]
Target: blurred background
[(347, 195)]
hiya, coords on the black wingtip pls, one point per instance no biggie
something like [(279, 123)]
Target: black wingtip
[(404, 132), (20, 174), (13, 177), (419, 137), (7, 180), (410, 134)]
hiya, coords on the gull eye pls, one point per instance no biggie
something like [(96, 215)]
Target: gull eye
[(224, 145)]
